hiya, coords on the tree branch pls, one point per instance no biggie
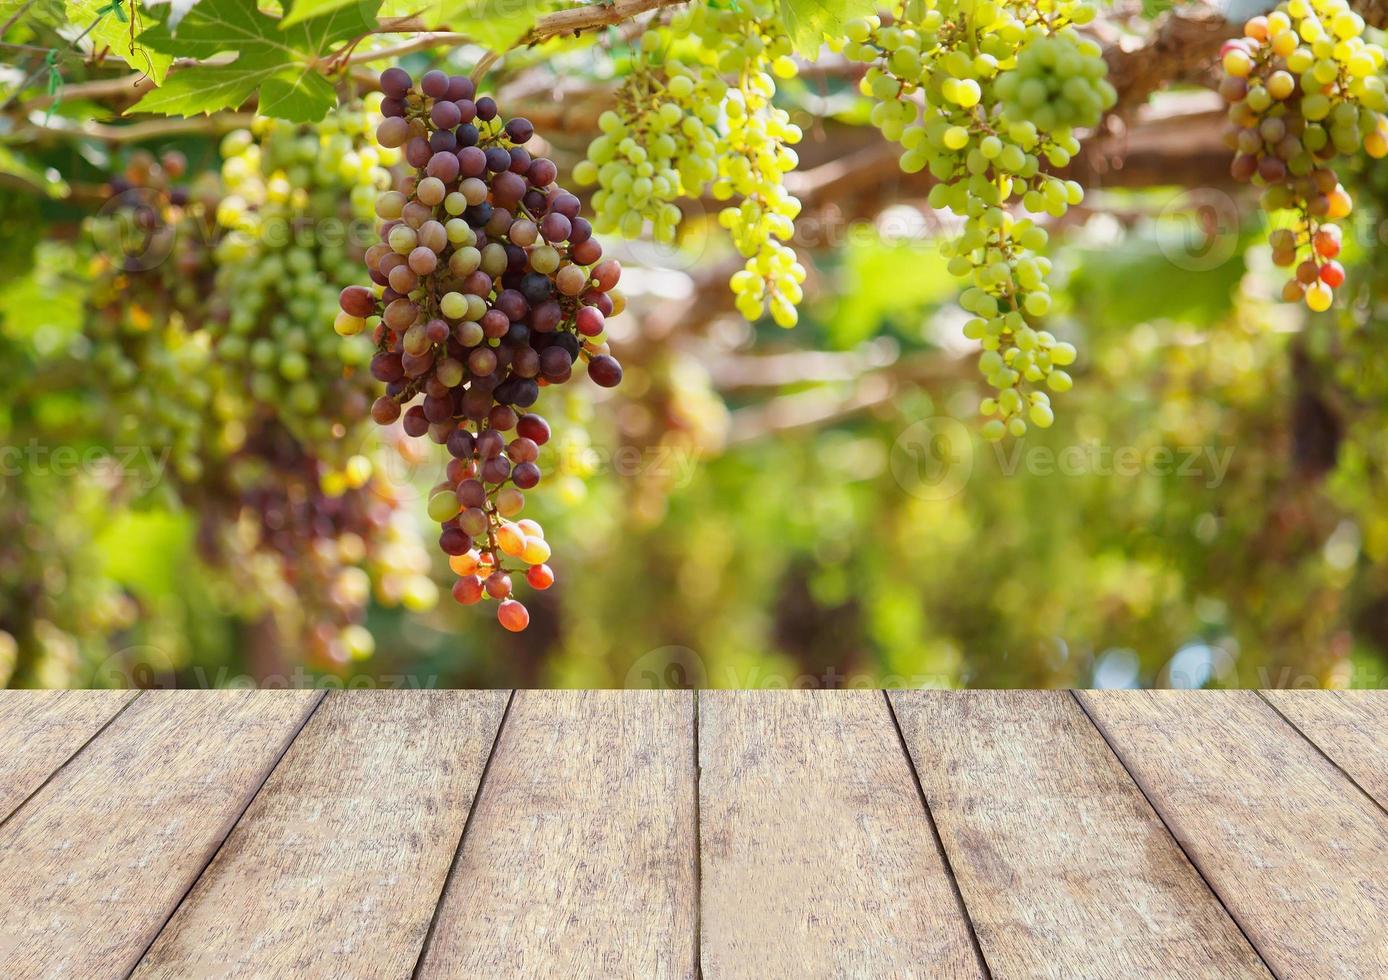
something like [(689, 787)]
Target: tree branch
[(569, 22)]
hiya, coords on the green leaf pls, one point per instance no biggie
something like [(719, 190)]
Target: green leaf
[(808, 21), (495, 24), (296, 95), (207, 89), (114, 33), (43, 13), (271, 58), (308, 9)]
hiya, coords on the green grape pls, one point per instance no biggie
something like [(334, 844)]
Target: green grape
[(984, 98), (295, 194), (696, 114)]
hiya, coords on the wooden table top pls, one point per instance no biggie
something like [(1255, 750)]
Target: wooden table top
[(654, 834)]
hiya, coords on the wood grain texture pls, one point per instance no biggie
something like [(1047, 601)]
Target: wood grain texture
[(1351, 727), (818, 859), (92, 866), (336, 867), (580, 857), (1064, 867), (1298, 855), (40, 730)]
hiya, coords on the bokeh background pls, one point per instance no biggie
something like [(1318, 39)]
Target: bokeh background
[(811, 507)]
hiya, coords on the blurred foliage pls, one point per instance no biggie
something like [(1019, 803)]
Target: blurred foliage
[(1210, 508)]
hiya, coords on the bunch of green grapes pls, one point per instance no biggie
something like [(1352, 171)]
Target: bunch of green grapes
[(1304, 87), (297, 212), (152, 271), (658, 145), (696, 113), (984, 96)]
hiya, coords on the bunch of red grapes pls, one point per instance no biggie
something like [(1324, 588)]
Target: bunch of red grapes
[(488, 286), (1303, 90)]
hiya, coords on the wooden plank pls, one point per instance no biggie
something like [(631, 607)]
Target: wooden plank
[(336, 868), (1296, 853), (1061, 861), (41, 730), (580, 857), (93, 865), (818, 859), (1351, 727)]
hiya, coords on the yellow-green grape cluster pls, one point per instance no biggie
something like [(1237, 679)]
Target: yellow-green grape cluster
[(696, 113), (1304, 87), (299, 207), (984, 96), (1058, 83), (657, 146), (755, 157)]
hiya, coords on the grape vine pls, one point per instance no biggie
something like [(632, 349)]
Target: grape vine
[(489, 285)]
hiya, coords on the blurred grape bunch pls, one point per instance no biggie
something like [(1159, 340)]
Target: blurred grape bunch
[(299, 203), (195, 334), (152, 273), (308, 559)]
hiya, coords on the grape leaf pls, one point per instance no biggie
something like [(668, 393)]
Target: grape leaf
[(308, 9), (495, 24), (807, 21), (113, 31), (178, 9), (275, 60)]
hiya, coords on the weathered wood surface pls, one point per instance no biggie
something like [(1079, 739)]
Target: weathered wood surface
[(41, 730), (1059, 857), (818, 858), (1297, 854), (93, 865), (672, 835), (1351, 727), (580, 858), (336, 868)]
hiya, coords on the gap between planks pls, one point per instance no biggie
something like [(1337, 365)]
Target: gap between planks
[(939, 841), (1323, 753), (1161, 818), (462, 837), (231, 827), (64, 764)]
